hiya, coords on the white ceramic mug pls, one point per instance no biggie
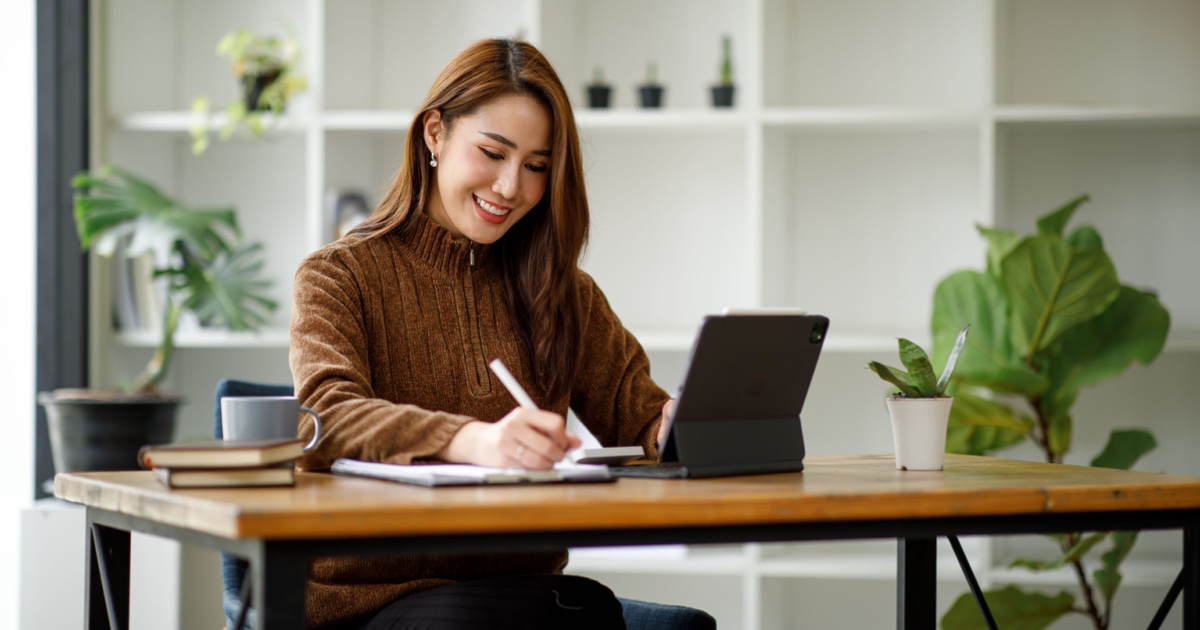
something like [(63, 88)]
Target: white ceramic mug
[(265, 418)]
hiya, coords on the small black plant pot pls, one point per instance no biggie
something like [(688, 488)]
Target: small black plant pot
[(599, 96), (252, 89), (651, 96), (722, 95)]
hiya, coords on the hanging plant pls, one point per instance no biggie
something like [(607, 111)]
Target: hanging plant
[(266, 70)]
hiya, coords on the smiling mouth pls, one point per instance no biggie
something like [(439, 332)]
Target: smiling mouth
[(492, 209)]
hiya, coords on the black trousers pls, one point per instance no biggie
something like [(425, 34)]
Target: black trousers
[(522, 602)]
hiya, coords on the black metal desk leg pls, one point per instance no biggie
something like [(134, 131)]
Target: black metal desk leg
[(280, 574), (107, 588), (969, 574), (916, 583), (1191, 577)]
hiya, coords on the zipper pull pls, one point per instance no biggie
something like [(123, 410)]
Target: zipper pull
[(471, 249)]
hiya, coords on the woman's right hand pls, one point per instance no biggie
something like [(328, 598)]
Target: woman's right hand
[(525, 438)]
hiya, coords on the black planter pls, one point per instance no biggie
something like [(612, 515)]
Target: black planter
[(88, 435), (252, 88), (598, 96), (722, 95), (651, 96)]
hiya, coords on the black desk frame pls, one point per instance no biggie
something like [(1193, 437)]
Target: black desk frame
[(278, 568)]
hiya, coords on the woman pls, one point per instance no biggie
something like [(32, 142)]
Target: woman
[(472, 255)]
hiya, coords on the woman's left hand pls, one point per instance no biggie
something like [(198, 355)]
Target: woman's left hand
[(664, 423)]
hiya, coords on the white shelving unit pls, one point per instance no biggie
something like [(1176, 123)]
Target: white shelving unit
[(868, 140)]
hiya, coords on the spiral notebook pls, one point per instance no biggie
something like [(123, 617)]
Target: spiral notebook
[(435, 475)]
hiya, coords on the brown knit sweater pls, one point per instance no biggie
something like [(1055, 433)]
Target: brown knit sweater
[(390, 341)]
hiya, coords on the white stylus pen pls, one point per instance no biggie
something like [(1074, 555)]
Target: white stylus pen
[(511, 384)]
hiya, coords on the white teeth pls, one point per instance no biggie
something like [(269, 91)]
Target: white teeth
[(490, 208)]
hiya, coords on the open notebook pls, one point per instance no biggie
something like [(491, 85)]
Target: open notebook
[(433, 475)]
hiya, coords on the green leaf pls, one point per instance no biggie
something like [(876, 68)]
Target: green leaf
[(1125, 448), (1085, 237), (1013, 609), (978, 425), (230, 292), (1133, 328), (254, 122), (1108, 576), (1000, 242), (1076, 553), (112, 204), (1060, 434), (988, 358), (952, 360), (896, 377), (235, 112), (1052, 287), (920, 370), (1054, 222)]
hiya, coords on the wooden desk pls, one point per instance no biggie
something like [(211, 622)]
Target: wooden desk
[(281, 529)]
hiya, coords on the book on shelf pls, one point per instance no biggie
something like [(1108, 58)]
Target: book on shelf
[(147, 292), (221, 453), (434, 475), (125, 308), (344, 209), (226, 477)]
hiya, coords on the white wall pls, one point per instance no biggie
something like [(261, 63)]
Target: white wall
[(17, 158)]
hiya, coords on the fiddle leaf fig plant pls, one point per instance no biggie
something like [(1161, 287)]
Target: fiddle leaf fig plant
[(211, 272), (1051, 318), (919, 381)]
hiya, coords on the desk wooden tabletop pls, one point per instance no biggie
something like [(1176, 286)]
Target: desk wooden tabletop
[(832, 488)]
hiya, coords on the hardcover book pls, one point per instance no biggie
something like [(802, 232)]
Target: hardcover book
[(225, 477), (220, 453)]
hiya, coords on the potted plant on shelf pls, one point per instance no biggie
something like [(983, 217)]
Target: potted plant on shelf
[(920, 409), (650, 93), (598, 92), (1053, 318), (723, 91), (266, 69), (208, 271)]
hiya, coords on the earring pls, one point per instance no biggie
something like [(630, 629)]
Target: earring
[(433, 162)]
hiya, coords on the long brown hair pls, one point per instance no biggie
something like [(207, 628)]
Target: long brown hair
[(540, 254)]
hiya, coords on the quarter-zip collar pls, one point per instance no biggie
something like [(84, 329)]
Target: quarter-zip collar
[(435, 248)]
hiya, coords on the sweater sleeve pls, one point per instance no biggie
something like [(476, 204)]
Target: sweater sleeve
[(331, 369), (613, 394)]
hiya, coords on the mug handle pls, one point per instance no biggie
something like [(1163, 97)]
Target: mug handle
[(317, 434)]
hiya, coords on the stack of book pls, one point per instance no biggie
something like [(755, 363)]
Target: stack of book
[(223, 463)]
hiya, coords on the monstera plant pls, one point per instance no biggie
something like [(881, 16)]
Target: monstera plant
[(207, 270), (1049, 316)]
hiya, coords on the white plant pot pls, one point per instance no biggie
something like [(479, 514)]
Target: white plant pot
[(919, 431)]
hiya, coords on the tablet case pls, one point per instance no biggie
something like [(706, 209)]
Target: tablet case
[(738, 411)]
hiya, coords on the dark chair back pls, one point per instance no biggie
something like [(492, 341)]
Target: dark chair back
[(233, 569)]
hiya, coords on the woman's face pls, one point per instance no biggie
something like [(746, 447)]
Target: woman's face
[(492, 167)]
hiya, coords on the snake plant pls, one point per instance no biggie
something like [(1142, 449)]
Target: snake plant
[(918, 381)]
